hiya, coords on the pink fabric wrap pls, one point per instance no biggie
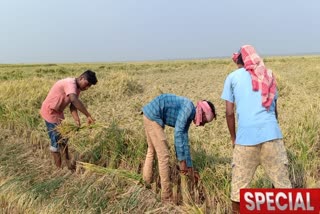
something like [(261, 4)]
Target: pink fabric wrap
[(262, 78), (235, 57), (203, 108)]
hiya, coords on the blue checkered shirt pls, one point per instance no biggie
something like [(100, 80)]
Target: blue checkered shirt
[(177, 112)]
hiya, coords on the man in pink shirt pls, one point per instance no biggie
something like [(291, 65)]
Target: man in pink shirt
[(63, 93)]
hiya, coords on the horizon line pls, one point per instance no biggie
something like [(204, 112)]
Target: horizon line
[(156, 60)]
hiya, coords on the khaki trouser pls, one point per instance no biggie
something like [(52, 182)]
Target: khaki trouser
[(271, 155), (157, 143)]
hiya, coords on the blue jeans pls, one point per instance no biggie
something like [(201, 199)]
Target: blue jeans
[(54, 136)]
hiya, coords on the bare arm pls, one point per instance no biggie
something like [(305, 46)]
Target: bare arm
[(74, 113), (231, 120), (79, 106)]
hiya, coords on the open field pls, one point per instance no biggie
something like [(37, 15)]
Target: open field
[(115, 146)]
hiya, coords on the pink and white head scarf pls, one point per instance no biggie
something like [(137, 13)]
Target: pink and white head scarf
[(262, 78), (203, 108)]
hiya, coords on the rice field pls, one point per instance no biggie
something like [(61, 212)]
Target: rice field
[(110, 153)]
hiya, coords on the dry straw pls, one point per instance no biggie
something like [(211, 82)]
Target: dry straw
[(117, 141)]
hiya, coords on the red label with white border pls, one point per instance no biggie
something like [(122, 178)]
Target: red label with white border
[(280, 201)]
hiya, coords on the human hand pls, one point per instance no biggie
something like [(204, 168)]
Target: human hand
[(194, 175), (233, 143), (90, 120), (183, 167)]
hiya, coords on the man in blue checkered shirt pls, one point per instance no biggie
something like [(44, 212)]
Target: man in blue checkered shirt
[(177, 112)]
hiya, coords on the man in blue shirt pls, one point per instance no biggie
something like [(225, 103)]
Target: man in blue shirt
[(177, 112), (258, 140)]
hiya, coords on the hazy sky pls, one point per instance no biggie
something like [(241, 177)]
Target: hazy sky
[(43, 31)]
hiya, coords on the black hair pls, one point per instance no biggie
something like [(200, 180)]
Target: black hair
[(240, 60), (213, 109), (90, 76)]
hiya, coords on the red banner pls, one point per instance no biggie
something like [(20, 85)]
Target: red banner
[(280, 201)]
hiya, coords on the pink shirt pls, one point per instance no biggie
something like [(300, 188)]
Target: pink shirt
[(57, 100)]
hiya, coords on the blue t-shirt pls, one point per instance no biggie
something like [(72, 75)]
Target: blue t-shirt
[(177, 112), (256, 124)]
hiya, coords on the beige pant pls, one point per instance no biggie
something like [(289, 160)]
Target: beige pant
[(157, 143), (271, 155)]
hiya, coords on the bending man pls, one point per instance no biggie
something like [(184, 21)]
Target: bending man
[(63, 93), (177, 112)]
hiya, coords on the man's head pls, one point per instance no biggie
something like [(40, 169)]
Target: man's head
[(237, 58), (205, 113), (247, 57), (85, 80)]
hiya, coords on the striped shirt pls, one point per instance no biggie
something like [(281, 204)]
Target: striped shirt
[(177, 112)]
